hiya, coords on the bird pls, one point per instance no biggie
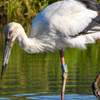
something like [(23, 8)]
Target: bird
[(60, 25)]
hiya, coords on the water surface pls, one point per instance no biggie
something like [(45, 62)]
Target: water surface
[(38, 76)]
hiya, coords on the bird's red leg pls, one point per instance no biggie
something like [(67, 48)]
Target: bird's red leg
[(64, 73)]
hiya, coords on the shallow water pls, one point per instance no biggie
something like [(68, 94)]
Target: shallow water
[(38, 76)]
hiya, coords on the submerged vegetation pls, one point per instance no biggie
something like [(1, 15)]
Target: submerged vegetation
[(11, 10)]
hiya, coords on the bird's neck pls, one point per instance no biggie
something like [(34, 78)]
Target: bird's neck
[(30, 45)]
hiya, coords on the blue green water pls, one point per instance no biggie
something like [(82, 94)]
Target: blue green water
[(38, 76)]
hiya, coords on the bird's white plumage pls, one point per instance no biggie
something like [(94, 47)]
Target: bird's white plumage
[(68, 23), (60, 20), (53, 27), (68, 17)]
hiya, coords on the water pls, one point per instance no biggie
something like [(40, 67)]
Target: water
[(38, 76)]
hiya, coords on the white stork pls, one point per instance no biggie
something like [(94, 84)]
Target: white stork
[(63, 24)]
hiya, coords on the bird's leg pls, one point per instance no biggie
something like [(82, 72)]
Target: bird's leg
[(64, 73)]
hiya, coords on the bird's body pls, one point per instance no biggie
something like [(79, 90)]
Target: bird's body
[(57, 26), (68, 23)]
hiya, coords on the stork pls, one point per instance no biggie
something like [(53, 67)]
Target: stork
[(63, 24)]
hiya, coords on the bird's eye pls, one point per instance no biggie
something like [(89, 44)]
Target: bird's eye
[(9, 33)]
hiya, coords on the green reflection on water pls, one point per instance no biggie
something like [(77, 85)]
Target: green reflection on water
[(33, 73)]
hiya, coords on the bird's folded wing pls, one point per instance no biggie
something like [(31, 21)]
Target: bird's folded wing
[(65, 18)]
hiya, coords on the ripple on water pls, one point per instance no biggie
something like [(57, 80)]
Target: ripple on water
[(1, 98), (54, 96), (67, 97)]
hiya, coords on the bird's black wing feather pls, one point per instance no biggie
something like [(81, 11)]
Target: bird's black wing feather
[(91, 4), (94, 22)]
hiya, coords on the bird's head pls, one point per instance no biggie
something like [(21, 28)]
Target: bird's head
[(11, 32)]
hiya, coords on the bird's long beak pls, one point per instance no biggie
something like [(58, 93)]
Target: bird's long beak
[(7, 51)]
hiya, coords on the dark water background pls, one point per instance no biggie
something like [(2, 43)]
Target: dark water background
[(38, 76)]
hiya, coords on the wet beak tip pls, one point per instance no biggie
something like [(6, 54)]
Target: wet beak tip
[(1, 77), (3, 70)]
